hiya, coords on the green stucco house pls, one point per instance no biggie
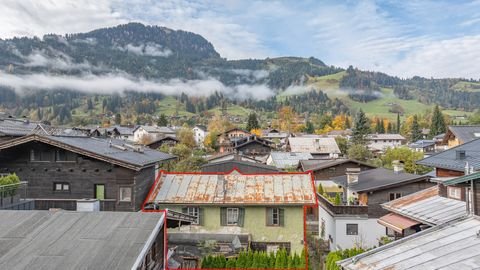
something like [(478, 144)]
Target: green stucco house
[(235, 210)]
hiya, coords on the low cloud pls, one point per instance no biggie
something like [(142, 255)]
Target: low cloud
[(149, 49), (118, 83)]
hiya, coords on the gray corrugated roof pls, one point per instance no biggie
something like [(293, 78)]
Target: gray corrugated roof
[(16, 127), (111, 149), (377, 179), (73, 240), (428, 207), (447, 159), (465, 133), (284, 160), (452, 245), (234, 188)]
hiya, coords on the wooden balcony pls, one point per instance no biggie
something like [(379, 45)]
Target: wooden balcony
[(356, 210)]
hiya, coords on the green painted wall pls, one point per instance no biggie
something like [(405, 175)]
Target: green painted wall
[(254, 224)]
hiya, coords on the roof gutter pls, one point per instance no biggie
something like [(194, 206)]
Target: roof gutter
[(149, 243)]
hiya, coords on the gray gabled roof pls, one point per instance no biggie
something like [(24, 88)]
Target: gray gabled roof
[(75, 240), (320, 164), (379, 178), (16, 127), (422, 144), (465, 133), (109, 150), (447, 159), (453, 245)]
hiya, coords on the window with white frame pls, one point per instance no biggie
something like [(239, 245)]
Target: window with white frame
[(125, 194), (274, 216), (61, 186), (232, 216), (454, 192)]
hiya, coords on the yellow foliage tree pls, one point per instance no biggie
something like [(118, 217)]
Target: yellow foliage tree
[(287, 118), (339, 122), (219, 124), (257, 132)]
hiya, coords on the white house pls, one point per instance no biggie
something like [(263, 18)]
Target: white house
[(354, 222), (151, 133), (380, 142), (199, 133)]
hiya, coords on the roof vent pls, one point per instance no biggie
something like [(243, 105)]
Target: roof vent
[(398, 166), (460, 154)]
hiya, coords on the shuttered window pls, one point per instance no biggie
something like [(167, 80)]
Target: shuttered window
[(232, 216), (275, 216)]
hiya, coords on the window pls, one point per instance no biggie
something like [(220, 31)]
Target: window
[(125, 194), (275, 217), (194, 211), (232, 216), (57, 186), (352, 229), (454, 193), (394, 195)]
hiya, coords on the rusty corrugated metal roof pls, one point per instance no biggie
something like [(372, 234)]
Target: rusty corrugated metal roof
[(233, 188)]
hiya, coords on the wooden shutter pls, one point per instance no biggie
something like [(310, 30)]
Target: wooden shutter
[(223, 216), (241, 216), (281, 213), (200, 216), (269, 216)]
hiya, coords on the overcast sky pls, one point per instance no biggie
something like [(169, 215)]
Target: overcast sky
[(404, 38)]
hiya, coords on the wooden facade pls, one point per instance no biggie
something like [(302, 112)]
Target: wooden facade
[(57, 178), (339, 170), (448, 173)]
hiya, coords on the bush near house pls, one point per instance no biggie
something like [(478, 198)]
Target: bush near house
[(334, 256), (256, 260), (8, 180)]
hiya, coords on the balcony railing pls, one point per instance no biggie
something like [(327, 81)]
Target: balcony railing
[(342, 209), (14, 197)]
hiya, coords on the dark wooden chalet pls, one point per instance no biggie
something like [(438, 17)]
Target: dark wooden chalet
[(167, 140), (324, 169), (63, 169)]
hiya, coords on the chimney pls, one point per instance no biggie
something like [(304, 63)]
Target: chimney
[(352, 175), (460, 154), (397, 166), (88, 205)]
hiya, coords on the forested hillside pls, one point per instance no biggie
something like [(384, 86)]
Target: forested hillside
[(139, 72)]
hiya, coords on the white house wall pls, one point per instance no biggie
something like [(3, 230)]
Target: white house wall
[(335, 228)]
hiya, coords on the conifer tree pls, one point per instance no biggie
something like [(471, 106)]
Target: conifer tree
[(416, 132), (162, 121), (398, 123), (361, 129), (438, 125), (252, 122)]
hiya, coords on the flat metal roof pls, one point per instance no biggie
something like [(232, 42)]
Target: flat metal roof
[(74, 240)]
